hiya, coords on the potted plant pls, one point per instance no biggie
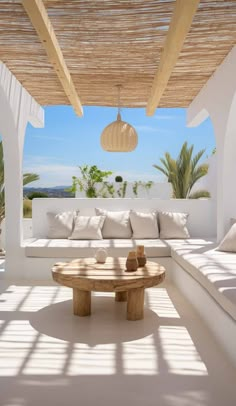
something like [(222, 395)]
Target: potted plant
[(90, 178), (118, 179)]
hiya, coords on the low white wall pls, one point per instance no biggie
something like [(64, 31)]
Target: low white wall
[(217, 320), (160, 190), (201, 224), (201, 221), (27, 231)]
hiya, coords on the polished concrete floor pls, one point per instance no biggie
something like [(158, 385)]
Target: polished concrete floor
[(50, 357)]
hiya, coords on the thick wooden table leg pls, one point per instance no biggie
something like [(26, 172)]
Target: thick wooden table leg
[(135, 304), (81, 302), (121, 297)]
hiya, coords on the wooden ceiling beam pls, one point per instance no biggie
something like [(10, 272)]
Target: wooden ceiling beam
[(180, 24), (42, 24)]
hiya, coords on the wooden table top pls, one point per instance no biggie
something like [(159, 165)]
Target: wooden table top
[(87, 274)]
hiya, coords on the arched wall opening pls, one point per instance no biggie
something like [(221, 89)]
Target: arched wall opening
[(229, 166)]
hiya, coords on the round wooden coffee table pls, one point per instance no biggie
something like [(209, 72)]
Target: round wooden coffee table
[(86, 275)]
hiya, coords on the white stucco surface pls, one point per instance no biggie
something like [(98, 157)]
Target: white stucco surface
[(18, 109), (217, 99), (201, 220), (26, 231)]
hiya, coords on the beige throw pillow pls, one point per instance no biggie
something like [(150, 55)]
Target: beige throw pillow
[(173, 225), (144, 225), (87, 228), (60, 225), (228, 243), (116, 224)]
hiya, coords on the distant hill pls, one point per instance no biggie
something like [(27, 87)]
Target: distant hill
[(57, 191)]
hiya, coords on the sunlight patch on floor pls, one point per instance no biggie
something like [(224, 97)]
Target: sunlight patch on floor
[(85, 360), (140, 357), (180, 352), (159, 301)]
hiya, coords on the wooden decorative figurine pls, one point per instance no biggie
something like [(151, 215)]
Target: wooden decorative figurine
[(141, 257), (131, 262)]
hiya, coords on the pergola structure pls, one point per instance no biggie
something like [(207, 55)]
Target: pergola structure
[(164, 54)]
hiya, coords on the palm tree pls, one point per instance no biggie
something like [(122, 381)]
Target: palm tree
[(27, 178), (184, 172)]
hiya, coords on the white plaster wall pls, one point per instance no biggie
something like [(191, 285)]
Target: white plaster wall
[(18, 109), (201, 221), (193, 207), (217, 99), (160, 190), (27, 231), (217, 320)]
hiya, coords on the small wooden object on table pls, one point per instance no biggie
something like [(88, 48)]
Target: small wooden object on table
[(86, 275), (131, 262), (141, 257)]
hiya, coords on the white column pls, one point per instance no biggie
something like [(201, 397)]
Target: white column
[(217, 99), (17, 108)]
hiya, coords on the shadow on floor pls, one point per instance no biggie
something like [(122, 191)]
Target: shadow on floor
[(58, 321)]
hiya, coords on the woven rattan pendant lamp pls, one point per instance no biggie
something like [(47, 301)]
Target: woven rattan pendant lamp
[(119, 136)]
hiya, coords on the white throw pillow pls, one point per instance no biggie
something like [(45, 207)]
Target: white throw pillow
[(87, 228), (173, 225), (144, 225), (116, 224), (60, 225), (228, 243)]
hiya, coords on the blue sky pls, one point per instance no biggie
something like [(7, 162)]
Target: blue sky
[(67, 141)]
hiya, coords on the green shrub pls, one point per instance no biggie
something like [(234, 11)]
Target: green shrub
[(91, 177), (118, 178), (27, 208), (34, 195)]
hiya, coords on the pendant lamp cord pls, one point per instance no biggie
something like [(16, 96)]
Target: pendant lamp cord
[(119, 108)]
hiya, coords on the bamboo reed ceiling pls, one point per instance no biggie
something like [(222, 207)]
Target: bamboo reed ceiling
[(108, 42)]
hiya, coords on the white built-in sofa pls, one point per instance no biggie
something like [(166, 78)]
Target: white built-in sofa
[(207, 277)]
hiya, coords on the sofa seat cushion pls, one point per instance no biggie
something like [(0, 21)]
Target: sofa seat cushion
[(63, 248), (214, 270)]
